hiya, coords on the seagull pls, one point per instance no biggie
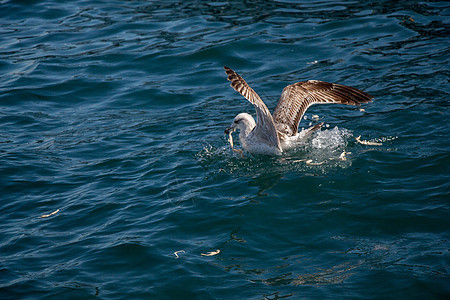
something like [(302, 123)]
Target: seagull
[(273, 134)]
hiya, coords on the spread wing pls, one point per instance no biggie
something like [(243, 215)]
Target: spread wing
[(265, 127), (297, 97)]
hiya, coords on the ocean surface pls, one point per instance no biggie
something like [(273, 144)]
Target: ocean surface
[(117, 181)]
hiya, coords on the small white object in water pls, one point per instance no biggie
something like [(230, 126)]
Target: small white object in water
[(211, 253), (310, 162), (343, 155), (53, 213), (358, 139), (179, 251), (315, 117), (298, 160), (362, 109)]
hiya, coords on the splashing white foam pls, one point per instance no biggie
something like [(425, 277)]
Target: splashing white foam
[(325, 150), (331, 139)]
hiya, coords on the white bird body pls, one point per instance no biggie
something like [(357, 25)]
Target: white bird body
[(249, 140), (273, 134)]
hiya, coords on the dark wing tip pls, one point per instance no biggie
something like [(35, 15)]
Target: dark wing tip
[(364, 97), (233, 76), (236, 80), (229, 71), (350, 95)]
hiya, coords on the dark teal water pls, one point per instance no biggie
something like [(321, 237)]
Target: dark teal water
[(112, 114)]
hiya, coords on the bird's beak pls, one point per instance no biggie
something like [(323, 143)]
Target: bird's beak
[(230, 130)]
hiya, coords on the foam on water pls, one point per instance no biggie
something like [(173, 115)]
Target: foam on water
[(331, 139), (325, 151)]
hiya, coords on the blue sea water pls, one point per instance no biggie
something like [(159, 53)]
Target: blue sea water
[(116, 178)]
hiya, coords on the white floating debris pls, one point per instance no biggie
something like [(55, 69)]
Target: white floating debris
[(53, 213), (362, 109), (315, 117), (212, 253), (312, 62), (310, 162), (358, 139), (179, 251), (305, 117), (387, 139), (298, 160), (343, 155)]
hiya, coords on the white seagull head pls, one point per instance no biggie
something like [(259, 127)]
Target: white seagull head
[(244, 122)]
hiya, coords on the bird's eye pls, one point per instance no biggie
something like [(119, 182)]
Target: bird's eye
[(235, 122)]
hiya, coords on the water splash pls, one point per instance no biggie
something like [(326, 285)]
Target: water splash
[(331, 140), (326, 150)]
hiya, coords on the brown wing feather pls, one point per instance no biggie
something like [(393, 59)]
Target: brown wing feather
[(296, 98), (265, 126), (239, 85)]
